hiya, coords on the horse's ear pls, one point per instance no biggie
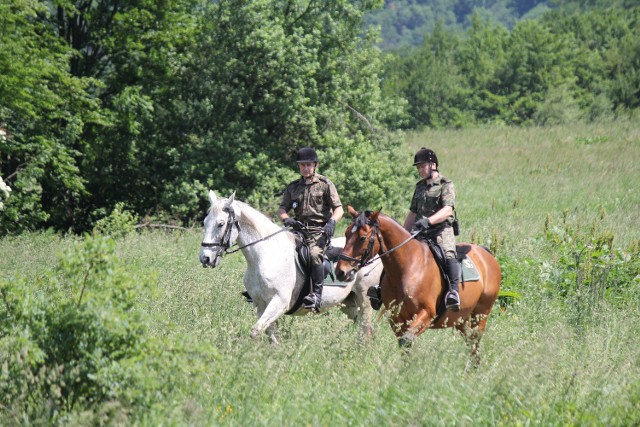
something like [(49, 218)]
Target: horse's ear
[(374, 216), (212, 197), (354, 213), (232, 197)]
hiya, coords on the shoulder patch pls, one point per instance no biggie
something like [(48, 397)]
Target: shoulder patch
[(323, 178)]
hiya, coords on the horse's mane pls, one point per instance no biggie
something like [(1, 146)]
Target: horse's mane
[(364, 216), (256, 219)]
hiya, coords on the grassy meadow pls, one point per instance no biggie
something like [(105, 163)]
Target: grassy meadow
[(558, 354)]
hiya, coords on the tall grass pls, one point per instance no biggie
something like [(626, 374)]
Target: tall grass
[(538, 366)]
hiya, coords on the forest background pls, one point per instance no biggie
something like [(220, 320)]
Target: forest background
[(144, 106)]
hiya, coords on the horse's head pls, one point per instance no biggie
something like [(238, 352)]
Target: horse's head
[(221, 229), (362, 243)]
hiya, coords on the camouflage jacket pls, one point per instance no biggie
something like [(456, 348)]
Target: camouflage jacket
[(312, 203), (432, 195)]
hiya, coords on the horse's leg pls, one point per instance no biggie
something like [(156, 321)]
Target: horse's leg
[(266, 318), (472, 331), (364, 312), (271, 333), (417, 326), (349, 307)]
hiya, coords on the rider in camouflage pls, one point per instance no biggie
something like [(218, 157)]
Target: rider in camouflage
[(432, 213), (316, 204)]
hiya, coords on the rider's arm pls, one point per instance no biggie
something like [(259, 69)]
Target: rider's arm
[(408, 223), (282, 214), (441, 215), (337, 214)]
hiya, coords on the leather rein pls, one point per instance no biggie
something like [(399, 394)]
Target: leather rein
[(367, 256)]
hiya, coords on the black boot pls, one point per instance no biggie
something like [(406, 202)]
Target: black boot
[(314, 299), (247, 296), (375, 296), (452, 300)]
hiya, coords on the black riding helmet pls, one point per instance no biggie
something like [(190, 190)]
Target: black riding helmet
[(425, 155), (306, 155)]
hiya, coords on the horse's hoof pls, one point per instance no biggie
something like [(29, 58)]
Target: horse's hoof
[(406, 341)]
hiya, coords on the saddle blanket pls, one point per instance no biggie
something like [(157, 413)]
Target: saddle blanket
[(468, 270)]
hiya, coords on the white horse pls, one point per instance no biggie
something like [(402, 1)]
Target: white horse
[(272, 278)]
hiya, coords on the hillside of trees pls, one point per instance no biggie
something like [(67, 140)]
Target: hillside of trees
[(560, 68), (140, 107), (405, 23)]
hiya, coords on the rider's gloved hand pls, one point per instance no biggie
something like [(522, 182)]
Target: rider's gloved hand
[(289, 222), (421, 225), (329, 228)]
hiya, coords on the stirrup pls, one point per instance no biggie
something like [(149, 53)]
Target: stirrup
[(311, 302), (375, 297), (452, 301), (247, 296)]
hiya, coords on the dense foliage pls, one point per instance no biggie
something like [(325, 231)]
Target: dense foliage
[(150, 104), (73, 339), (145, 105), (558, 69)]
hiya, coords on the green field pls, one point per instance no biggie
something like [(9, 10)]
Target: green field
[(563, 351)]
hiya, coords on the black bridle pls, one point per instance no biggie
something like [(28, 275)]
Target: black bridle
[(225, 242), (367, 256)]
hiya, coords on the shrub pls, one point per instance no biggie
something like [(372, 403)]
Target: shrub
[(118, 224), (74, 339)]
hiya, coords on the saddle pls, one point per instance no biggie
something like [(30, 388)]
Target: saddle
[(468, 270), (303, 264)]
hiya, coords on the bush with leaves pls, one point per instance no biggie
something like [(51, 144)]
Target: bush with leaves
[(75, 339), (118, 224)]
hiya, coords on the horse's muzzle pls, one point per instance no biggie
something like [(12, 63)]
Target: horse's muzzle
[(207, 262), (345, 276)]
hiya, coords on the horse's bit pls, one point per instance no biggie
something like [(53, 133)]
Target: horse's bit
[(226, 237)]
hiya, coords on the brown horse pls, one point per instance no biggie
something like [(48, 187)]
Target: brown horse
[(412, 287)]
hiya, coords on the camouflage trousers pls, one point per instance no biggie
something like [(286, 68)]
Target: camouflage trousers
[(447, 241), (316, 252)]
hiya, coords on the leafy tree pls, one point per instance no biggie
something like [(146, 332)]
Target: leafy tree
[(433, 86), (535, 64), (43, 110), (268, 77), (136, 49), (480, 56)]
